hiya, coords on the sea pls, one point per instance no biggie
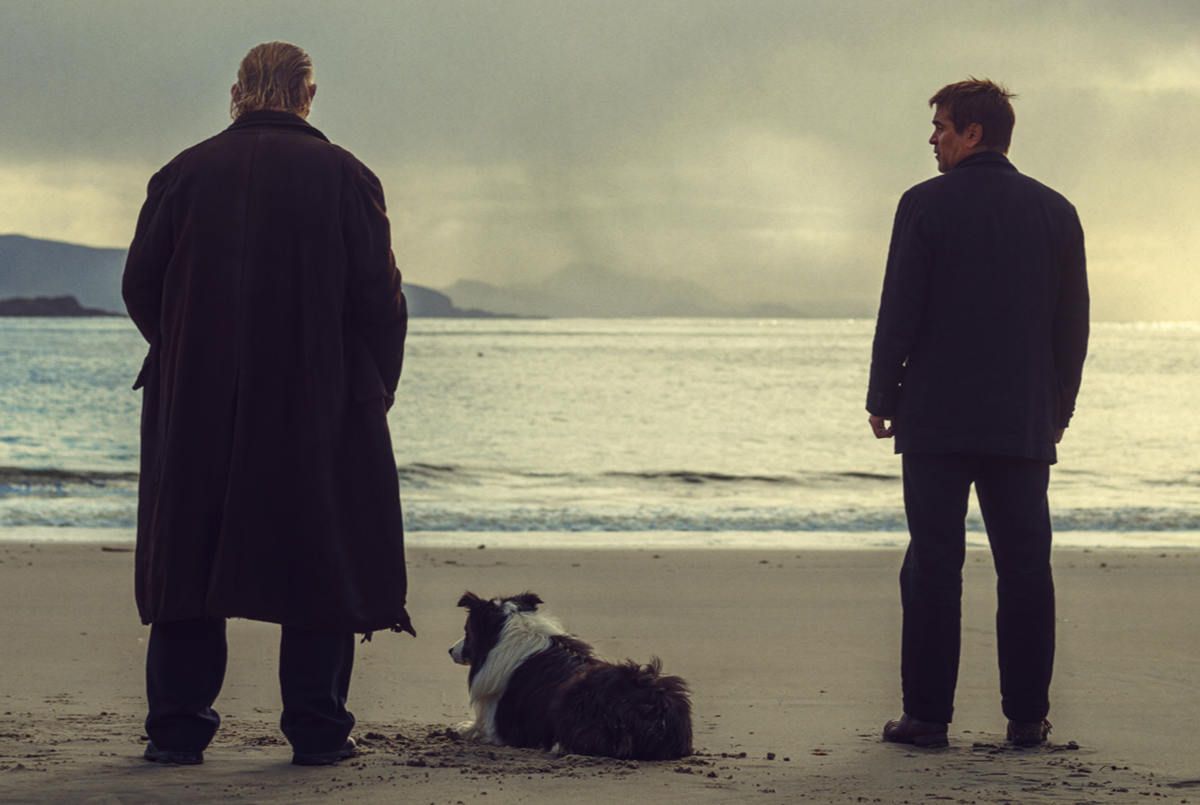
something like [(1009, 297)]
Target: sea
[(625, 432)]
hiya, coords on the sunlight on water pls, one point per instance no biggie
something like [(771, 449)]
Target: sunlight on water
[(606, 426)]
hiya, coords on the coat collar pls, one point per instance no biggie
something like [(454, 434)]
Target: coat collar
[(986, 159), (274, 119)]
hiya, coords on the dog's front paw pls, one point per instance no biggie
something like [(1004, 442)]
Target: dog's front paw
[(474, 731), (466, 730)]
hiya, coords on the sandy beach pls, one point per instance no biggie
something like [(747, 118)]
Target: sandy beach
[(792, 657)]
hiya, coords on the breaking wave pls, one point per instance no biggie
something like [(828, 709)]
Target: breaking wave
[(448, 498)]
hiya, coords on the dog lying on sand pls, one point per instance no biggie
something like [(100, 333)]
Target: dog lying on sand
[(533, 685)]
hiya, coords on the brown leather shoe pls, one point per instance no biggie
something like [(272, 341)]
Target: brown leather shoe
[(909, 730), (1028, 733)]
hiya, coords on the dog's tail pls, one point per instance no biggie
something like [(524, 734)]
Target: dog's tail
[(664, 707), (651, 674), (625, 710)]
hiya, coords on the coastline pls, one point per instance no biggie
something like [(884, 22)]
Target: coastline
[(1117, 541), (788, 652)]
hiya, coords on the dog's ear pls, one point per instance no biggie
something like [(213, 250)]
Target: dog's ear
[(469, 600), (527, 602)]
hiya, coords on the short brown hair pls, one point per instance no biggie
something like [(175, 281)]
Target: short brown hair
[(980, 101), (274, 75)]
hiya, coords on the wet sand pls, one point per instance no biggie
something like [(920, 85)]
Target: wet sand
[(792, 657)]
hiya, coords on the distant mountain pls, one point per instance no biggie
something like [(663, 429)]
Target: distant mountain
[(595, 291), (31, 267), (424, 301), (48, 306)]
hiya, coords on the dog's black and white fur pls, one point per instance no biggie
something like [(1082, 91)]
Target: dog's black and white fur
[(531, 684)]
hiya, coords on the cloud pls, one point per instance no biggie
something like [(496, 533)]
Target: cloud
[(81, 201), (757, 149)]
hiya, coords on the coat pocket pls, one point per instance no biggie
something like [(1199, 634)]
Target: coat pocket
[(363, 378), (144, 373)]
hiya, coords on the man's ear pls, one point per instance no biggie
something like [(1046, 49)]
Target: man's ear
[(974, 134)]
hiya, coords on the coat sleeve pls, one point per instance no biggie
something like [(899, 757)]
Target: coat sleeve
[(376, 309), (149, 254), (905, 284), (1071, 322)]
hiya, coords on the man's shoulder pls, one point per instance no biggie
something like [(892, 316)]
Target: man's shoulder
[(313, 151), (188, 153), (222, 141), (348, 158), (179, 162), (923, 194), (950, 186), (1045, 190), (924, 189), (355, 168)]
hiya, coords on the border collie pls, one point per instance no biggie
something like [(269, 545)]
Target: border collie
[(533, 685)]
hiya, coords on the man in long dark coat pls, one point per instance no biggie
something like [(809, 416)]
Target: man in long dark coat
[(262, 276), (976, 364)]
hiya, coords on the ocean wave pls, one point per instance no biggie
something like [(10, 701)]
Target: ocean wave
[(26, 482), (436, 518), (1192, 480), (423, 473), (37, 476), (696, 477), (451, 497), (799, 479)]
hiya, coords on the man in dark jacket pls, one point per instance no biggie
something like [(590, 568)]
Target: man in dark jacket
[(262, 276), (978, 353)]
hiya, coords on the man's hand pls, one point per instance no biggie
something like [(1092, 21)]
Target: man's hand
[(881, 427), (1058, 434)]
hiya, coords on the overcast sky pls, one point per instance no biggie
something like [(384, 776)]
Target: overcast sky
[(755, 147)]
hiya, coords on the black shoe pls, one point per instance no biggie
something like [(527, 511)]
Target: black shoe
[(173, 758), (347, 750), (909, 730), (1028, 733)]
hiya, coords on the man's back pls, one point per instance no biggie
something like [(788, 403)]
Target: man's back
[(252, 203), (260, 214), (978, 353), (983, 309), (262, 276)]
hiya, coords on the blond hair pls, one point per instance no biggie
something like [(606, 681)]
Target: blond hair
[(274, 75)]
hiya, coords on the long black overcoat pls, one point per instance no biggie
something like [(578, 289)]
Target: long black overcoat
[(983, 320), (262, 276)]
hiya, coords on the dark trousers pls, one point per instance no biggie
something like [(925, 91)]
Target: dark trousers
[(1012, 500), (185, 666)]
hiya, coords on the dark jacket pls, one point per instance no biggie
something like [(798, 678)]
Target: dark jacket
[(983, 322), (262, 276)]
